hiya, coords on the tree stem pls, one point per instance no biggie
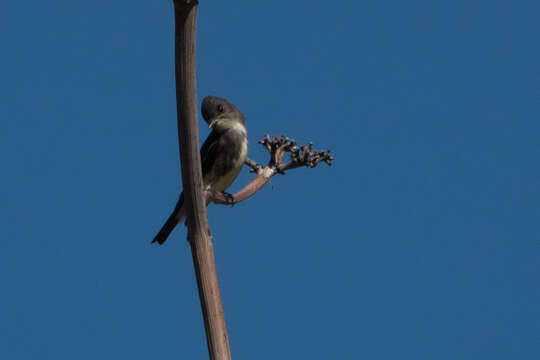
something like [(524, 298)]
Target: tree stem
[(199, 237)]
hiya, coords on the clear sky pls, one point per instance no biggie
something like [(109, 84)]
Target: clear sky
[(422, 241)]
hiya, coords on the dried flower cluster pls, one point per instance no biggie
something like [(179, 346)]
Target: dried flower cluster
[(277, 147)]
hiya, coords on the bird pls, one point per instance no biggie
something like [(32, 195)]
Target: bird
[(222, 154)]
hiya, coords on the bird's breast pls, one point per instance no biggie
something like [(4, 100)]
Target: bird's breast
[(233, 157)]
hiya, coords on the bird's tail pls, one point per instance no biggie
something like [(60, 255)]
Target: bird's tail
[(176, 216)]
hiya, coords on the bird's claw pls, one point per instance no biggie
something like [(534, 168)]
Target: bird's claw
[(229, 197)]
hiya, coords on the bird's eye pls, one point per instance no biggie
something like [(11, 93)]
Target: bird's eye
[(220, 108)]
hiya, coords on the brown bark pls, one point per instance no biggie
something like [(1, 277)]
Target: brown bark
[(199, 237)]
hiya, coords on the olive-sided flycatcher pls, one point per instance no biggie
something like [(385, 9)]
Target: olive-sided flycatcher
[(222, 154)]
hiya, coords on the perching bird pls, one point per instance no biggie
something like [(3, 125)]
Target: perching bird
[(222, 154)]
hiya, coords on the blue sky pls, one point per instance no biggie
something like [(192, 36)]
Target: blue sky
[(421, 241)]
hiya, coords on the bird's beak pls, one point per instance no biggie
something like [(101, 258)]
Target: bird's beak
[(212, 123)]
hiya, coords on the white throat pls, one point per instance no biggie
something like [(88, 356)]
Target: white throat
[(231, 125)]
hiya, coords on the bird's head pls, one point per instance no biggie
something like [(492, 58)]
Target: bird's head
[(221, 115)]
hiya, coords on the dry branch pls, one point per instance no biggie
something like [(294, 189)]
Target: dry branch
[(185, 14), (196, 198), (277, 147)]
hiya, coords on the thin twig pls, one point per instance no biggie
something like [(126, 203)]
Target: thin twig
[(277, 147)]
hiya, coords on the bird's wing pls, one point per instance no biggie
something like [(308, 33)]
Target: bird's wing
[(209, 152)]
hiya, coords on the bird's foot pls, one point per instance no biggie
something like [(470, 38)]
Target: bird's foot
[(230, 198)]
